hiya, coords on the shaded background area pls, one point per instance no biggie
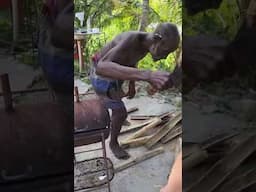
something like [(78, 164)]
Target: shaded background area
[(218, 95)]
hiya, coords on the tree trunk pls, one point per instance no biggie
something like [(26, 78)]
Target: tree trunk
[(144, 16)]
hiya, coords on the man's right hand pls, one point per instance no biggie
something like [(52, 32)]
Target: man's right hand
[(159, 79)]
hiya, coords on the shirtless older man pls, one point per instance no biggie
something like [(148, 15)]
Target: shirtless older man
[(117, 62)]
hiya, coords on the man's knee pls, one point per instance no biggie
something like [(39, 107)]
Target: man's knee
[(120, 113)]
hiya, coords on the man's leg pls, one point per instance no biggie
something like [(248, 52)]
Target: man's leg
[(119, 115)]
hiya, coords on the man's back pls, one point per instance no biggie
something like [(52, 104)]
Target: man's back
[(125, 49)]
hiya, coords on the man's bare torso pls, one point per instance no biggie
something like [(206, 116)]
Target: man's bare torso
[(126, 49)]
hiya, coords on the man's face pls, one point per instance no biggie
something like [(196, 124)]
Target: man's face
[(161, 49)]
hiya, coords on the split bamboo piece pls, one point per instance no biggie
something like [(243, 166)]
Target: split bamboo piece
[(141, 117), (145, 117), (156, 121), (170, 138), (164, 130), (136, 160), (136, 126), (176, 131), (135, 142), (224, 167), (133, 109)]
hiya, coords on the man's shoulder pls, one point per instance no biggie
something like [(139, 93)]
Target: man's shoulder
[(129, 37)]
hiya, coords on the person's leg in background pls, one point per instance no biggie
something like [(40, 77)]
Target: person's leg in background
[(175, 179)]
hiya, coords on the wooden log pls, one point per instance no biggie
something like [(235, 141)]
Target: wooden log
[(156, 121), (133, 109), (136, 160), (224, 167), (135, 142), (135, 127), (163, 131)]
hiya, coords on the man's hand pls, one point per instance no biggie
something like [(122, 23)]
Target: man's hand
[(132, 91), (159, 79)]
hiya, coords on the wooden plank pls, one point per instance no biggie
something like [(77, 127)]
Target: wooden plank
[(135, 142), (163, 131), (156, 121), (224, 167), (136, 160), (135, 127)]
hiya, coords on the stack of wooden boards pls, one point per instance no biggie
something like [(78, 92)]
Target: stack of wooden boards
[(224, 163), (150, 131)]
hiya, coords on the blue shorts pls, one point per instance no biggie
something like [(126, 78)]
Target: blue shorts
[(113, 104), (102, 87)]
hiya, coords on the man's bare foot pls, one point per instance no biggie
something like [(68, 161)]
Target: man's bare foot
[(118, 151)]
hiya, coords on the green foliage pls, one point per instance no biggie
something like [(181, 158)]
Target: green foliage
[(117, 16), (222, 22)]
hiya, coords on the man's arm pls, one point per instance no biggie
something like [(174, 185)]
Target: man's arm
[(106, 67)]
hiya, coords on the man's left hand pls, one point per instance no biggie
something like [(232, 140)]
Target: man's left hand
[(132, 91)]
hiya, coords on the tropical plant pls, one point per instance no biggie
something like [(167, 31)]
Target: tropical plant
[(116, 16)]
